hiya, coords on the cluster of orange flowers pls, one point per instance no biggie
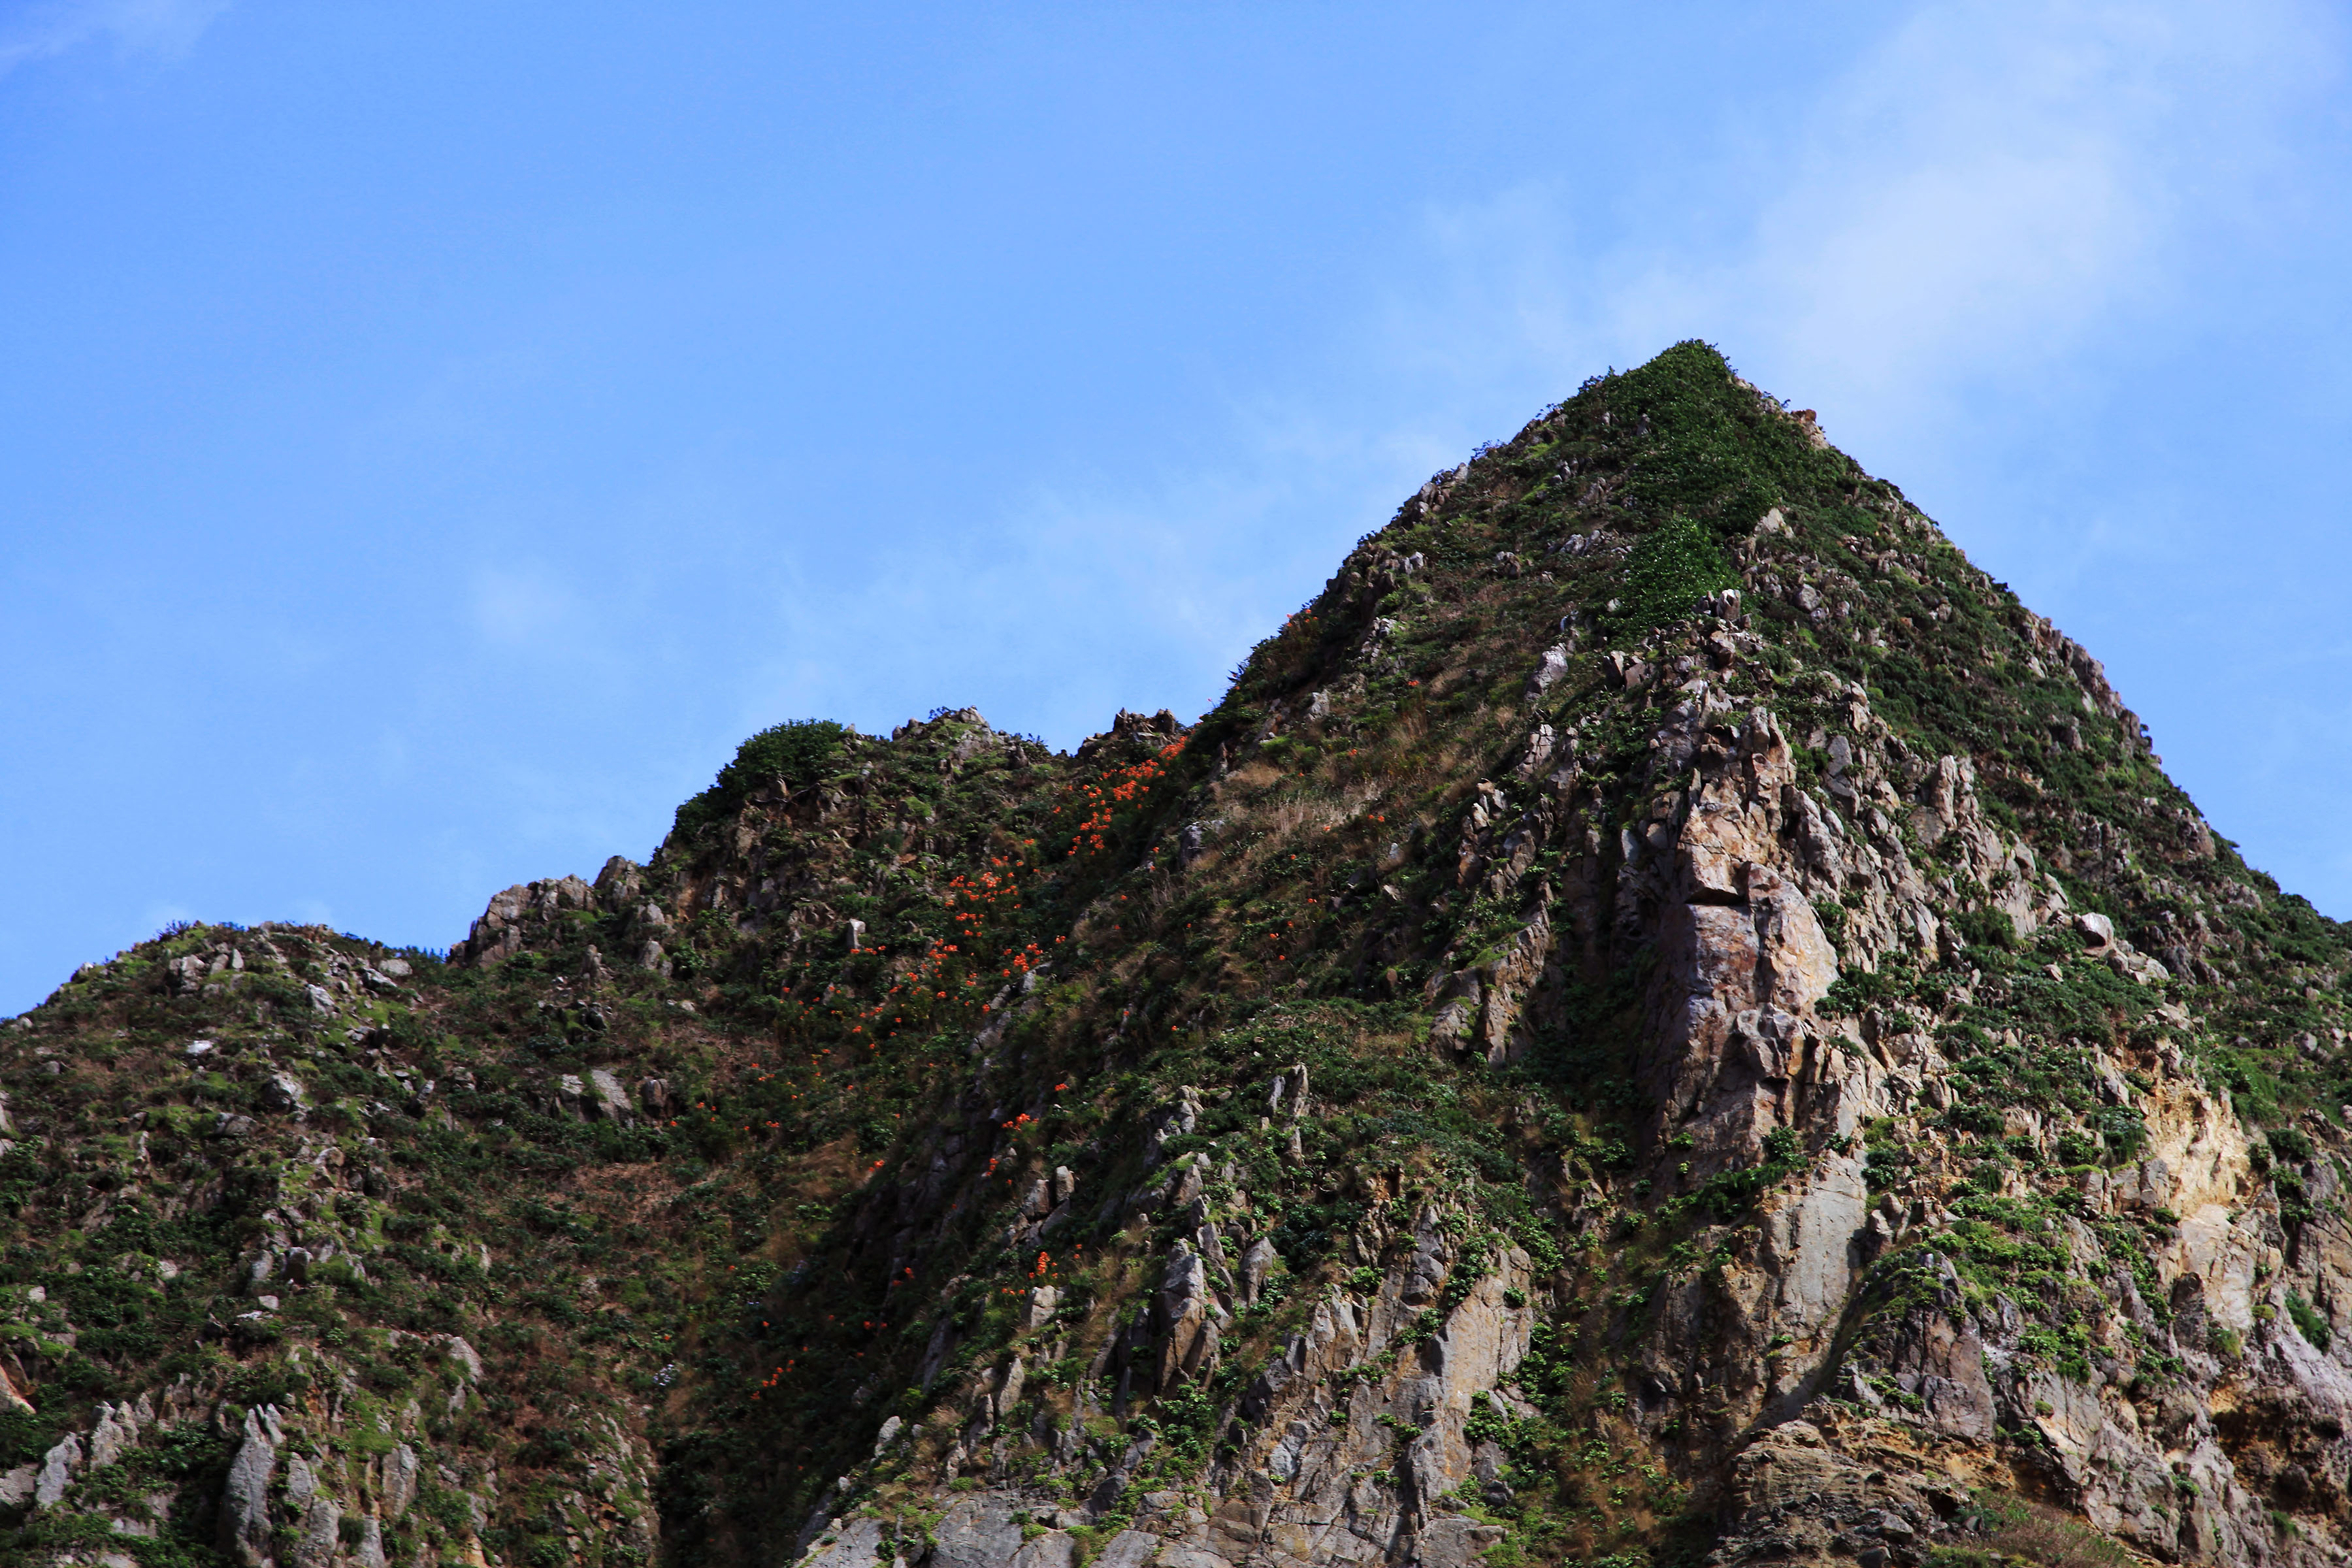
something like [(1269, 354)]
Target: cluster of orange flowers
[(1125, 786), (987, 889), (928, 972)]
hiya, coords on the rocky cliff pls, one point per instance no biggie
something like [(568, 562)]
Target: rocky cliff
[(1665, 1018)]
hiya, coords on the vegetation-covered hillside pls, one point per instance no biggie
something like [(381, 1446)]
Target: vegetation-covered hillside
[(1665, 1016)]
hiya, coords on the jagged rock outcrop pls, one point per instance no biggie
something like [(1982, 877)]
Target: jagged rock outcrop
[(1664, 1013)]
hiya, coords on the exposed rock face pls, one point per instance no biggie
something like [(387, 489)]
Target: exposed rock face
[(1662, 1003), (501, 932), (244, 1503), (57, 1472)]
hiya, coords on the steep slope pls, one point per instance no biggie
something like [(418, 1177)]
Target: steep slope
[(1664, 1014)]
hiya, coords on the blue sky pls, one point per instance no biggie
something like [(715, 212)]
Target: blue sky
[(432, 435)]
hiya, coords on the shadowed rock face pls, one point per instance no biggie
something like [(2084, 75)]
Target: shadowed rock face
[(1665, 1013)]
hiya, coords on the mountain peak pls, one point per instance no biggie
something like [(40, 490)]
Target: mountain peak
[(1664, 1013)]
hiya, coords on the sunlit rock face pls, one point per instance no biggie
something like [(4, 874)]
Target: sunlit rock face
[(1665, 1016)]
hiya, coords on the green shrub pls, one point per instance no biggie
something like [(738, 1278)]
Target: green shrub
[(2077, 1148), (1719, 453), (2123, 1129), (2308, 1322), (1981, 1118), (800, 753), (1988, 927), (1670, 570), (25, 1435), (1487, 1423), (2289, 1144)]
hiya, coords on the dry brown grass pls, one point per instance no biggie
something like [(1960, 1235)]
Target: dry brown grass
[(2017, 1529), (1254, 776), (1304, 810)]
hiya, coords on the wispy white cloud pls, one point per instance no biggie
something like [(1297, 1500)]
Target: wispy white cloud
[(165, 27), (1990, 184), (1986, 187), (1987, 183), (1995, 183)]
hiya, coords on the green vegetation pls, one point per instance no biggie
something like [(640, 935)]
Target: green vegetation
[(2308, 1322), (911, 991), (798, 753), (1669, 571)]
